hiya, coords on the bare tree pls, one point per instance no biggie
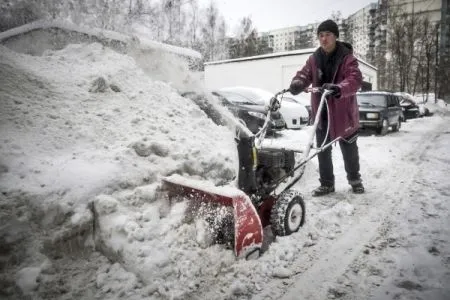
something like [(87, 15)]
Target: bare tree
[(429, 45), (410, 60), (245, 43), (193, 24), (397, 43), (210, 29)]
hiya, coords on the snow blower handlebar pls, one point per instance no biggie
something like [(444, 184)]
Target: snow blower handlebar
[(273, 106), (323, 101)]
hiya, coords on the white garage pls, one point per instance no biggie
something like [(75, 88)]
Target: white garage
[(272, 72)]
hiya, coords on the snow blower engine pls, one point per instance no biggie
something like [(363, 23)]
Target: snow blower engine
[(261, 170)]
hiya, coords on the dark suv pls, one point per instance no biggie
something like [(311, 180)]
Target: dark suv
[(379, 110)]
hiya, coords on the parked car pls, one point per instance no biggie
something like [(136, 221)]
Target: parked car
[(423, 109), (412, 109), (302, 99), (252, 114), (379, 110), (294, 114)]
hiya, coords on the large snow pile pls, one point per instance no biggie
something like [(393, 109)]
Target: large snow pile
[(430, 102), (87, 125), (93, 125)]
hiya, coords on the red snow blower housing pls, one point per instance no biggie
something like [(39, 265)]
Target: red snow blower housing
[(265, 179)]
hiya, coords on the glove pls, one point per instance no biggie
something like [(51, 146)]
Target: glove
[(296, 86), (334, 88)]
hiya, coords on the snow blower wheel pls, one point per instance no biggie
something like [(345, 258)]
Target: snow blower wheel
[(288, 213)]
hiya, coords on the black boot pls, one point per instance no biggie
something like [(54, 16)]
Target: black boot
[(323, 190), (358, 188)]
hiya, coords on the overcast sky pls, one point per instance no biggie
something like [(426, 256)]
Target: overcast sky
[(273, 14)]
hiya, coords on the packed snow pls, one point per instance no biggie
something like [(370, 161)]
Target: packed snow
[(88, 133)]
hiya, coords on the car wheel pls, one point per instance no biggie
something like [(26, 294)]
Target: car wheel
[(384, 128), (397, 126)]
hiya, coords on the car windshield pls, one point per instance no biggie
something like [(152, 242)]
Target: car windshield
[(237, 99), (254, 95), (375, 100), (407, 102)]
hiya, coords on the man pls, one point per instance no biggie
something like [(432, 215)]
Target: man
[(333, 67)]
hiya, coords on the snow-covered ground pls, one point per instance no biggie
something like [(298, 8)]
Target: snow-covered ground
[(86, 136)]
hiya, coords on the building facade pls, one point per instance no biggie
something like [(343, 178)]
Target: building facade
[(291, 38), (429, 8), (278, 69), (414, 12), (444, 50), (359, 29), (371, 31)]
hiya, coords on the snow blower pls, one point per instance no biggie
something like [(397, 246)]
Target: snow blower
[(264, 195)]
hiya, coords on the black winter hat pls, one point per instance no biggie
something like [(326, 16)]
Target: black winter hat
[(328, 25)]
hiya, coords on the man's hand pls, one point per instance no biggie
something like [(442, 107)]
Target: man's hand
[(296, 86), (334, 88)]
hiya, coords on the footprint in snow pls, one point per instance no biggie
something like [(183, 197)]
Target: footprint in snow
[(409, 285)]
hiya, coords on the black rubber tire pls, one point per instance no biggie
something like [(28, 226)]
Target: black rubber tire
[(397, 126), (383, 129), (288, 213)]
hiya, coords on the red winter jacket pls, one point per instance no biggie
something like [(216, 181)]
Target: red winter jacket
[(343, 111)]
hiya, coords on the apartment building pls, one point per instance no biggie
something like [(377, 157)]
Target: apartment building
[(368, 30), (445, 32), (429, 8), (433, 9), (359, 30), (437, 11), (291, 38)]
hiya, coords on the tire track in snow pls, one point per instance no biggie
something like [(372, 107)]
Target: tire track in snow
[(416, 239)]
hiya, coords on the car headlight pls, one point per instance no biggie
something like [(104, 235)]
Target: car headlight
[(257, 115), (372, 115)]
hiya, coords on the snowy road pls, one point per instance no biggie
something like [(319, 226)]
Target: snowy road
[(380, 220), (390, 243), (400, 190)]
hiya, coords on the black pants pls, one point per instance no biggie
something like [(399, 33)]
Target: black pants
[(350, 154)]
